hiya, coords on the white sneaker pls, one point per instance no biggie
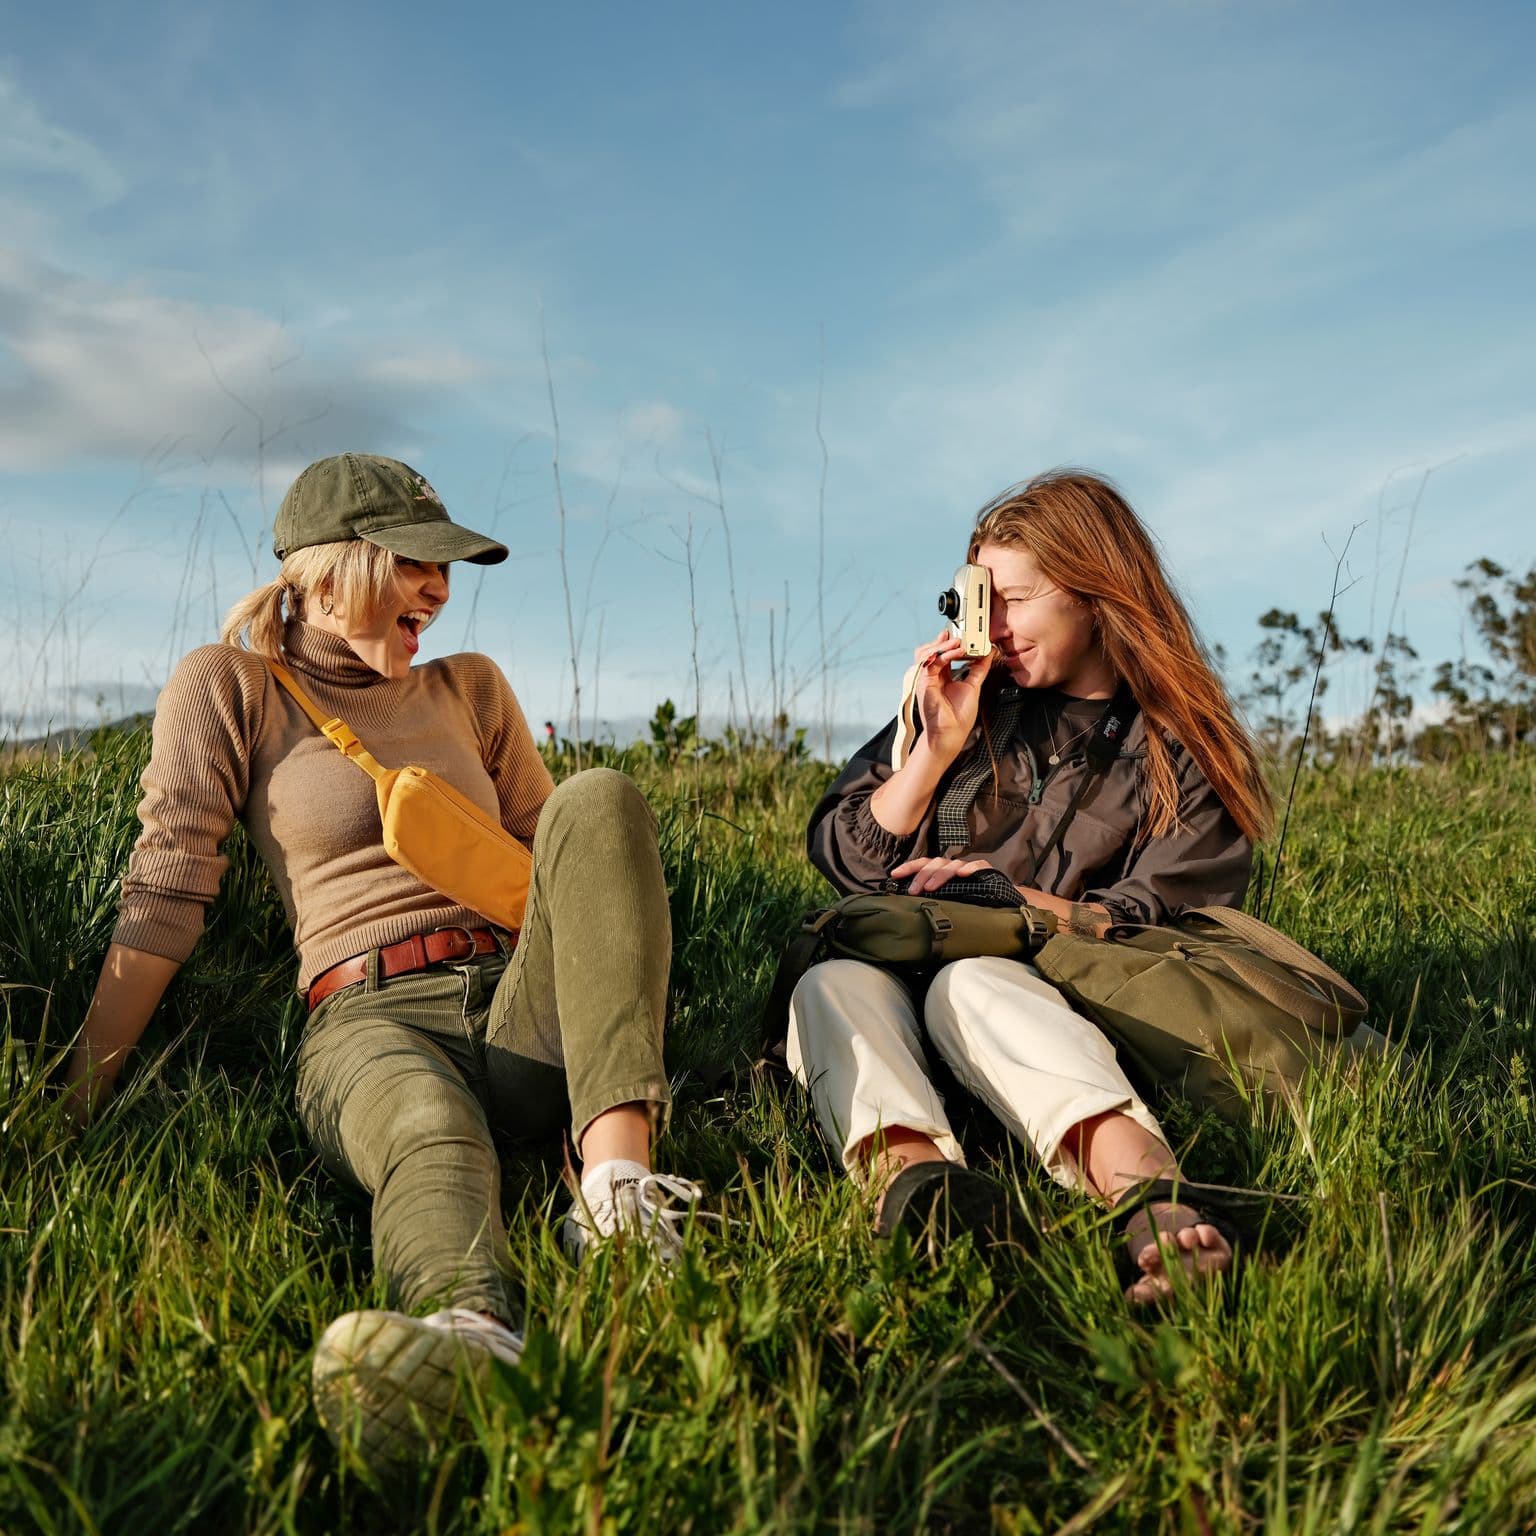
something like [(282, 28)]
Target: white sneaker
[(634, 1207), (392, 1380)]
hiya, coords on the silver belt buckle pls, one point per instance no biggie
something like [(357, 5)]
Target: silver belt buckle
[(468, 938)]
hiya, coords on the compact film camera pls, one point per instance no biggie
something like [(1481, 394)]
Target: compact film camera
[(968, 607)]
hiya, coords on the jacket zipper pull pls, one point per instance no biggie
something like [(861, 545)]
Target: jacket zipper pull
[(1036, 779)]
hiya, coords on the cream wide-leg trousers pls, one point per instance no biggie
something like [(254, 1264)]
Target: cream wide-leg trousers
[(1009, 1037)]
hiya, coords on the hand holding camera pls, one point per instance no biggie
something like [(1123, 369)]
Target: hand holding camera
[(968, 607), (947, 700), (943, 699)]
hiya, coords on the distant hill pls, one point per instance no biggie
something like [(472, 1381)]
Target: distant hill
[(74, 738)]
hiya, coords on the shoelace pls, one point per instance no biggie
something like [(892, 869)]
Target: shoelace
[(658, 1221), (671, 1186), (641, 1208)]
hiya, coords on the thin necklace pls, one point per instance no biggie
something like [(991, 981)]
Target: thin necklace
[(1055, 758)]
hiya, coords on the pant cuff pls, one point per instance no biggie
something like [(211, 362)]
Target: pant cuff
[(863, 1128), (1049, 1140), (654, 1093)]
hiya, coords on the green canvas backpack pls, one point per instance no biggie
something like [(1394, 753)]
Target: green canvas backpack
[(1212, 1001), (1208, 1006)]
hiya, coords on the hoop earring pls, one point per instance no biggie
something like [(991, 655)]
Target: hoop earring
[(326, 604)]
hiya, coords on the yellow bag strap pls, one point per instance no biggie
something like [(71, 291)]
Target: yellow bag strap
[(333, 728)]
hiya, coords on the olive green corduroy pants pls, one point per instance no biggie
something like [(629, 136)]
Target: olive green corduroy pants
[(402, 1084)]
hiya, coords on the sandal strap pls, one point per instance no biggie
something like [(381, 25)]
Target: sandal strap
[(1146, 1193), (1149, 1228), (959, 1197), (1211, 1209)]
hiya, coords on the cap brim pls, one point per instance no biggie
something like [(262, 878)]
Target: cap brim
[(439, 541)]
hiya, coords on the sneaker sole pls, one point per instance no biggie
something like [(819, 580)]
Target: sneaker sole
[(388, 1385)]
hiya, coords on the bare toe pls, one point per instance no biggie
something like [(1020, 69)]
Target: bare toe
[(1148, 1289), (1197, 1247)]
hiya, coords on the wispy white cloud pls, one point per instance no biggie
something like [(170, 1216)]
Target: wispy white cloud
[(429, 366), (32, 146), (653, 421), (95, 370), (50, 176)]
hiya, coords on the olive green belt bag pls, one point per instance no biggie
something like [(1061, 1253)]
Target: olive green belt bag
[(1212, 1005)]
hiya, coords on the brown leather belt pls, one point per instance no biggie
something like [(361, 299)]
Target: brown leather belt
[(443, 946)]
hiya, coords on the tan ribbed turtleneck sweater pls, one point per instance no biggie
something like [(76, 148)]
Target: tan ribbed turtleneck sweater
[(230, 743)]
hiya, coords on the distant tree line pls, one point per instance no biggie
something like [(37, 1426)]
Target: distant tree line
[(1482, 702)]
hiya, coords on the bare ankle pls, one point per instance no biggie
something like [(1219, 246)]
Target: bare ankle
[(888, 1152), (885, 1154)]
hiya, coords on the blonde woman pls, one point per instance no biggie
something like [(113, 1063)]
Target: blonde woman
[(429, 1028), (1083, 616)]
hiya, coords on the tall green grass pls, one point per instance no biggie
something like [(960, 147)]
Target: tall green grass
[(163, 1277)]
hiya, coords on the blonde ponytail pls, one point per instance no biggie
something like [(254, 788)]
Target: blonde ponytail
[(256, 622), (360, 575)]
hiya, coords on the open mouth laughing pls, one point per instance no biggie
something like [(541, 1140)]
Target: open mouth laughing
[(410, 624)]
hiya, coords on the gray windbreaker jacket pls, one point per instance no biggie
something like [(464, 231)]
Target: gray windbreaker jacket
[(1205, 861)]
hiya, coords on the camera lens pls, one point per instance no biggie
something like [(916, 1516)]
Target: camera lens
[(949, 604)]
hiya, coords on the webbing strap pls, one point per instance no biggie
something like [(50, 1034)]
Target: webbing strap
[(1319, 997), (333, 728)]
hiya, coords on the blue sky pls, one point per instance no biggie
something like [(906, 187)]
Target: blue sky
[(1263, 263)]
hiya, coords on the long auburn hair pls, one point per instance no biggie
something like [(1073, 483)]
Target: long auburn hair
[(1085, 538)]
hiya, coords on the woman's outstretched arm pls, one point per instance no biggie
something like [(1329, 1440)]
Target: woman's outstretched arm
[(128, 991)]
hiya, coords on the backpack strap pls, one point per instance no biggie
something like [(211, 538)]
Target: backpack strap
[(1319, 997), (1103, 748), (332, 727)]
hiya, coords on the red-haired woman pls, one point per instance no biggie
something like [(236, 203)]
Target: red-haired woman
[(1082, 613)]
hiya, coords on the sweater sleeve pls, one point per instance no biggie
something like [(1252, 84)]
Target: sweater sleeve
[(517, 770), (844, 841), (1205, 861), (206, 719)]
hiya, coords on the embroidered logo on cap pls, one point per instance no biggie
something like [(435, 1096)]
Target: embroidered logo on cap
[(424, 492)]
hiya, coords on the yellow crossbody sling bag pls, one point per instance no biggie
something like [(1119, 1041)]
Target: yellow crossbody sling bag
[(444, 839)]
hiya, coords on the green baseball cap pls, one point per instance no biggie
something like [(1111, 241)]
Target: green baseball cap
[(363, 496)]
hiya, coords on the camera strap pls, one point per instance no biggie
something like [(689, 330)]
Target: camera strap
[(1100, 751), (906, 718)]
